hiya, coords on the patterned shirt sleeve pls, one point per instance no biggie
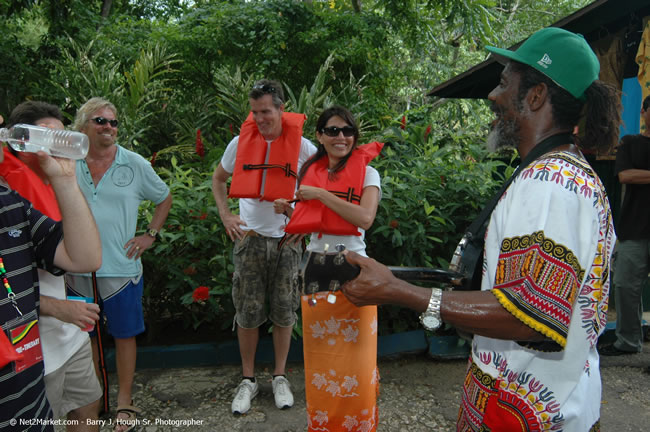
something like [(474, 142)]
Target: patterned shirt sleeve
[(537, 281)]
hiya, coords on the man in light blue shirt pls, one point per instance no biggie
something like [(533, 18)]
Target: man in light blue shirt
[(115, 181)]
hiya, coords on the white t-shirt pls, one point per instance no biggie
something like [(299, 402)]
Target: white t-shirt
[(59, 340), (353, 243), (259, 215)]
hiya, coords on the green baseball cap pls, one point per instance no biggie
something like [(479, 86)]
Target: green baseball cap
[(564, 57)]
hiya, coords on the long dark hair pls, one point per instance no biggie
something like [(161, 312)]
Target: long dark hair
[(330, 112), (601, 111)]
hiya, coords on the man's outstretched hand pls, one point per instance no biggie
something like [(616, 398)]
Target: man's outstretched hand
[(374, 285)]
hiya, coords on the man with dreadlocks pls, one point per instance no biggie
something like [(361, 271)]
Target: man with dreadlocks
[(545, 274)]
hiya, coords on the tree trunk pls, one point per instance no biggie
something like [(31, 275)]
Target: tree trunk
[(356, 5), (106, 8)]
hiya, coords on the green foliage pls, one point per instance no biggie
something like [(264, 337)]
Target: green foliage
[(139, 93), (193, 250), (145, 92), (434, 182), (311, 102), (85, 72), (231, 99)]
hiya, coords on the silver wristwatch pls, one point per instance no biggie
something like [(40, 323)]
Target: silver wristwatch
[(430, 318)]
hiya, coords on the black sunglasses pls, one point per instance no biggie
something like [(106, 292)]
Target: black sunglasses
[(264, 88), (333, 131), (102, 121)]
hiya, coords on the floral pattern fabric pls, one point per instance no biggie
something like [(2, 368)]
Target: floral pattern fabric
[(341, 375)]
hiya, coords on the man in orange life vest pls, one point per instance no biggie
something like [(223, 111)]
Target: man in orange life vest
[(263, 161)]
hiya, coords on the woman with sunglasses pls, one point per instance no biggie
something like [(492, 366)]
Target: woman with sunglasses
[(338, 197)]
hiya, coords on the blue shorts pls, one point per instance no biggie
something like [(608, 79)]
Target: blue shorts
[(123, 311)]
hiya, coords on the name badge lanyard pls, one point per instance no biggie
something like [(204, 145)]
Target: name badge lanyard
[(10, 294)]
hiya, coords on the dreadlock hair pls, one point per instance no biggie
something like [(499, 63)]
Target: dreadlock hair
[(330, 112), (601, 108)]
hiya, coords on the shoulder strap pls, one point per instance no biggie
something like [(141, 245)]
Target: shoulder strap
[(476, 230)]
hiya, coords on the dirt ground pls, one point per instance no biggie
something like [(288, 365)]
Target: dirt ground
[(417, 394)]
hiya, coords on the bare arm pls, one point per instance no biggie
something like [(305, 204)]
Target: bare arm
[(231, 222), (477, 312), (80, 250), (362, 215), (138, 244), (634, 176), (78, 313), (160, 213)]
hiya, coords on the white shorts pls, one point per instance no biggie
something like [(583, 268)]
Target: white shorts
[(73, 385)]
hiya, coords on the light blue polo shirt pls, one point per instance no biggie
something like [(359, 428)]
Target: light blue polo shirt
[(114, 203)]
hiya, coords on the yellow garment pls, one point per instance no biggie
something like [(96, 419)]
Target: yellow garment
[(643, 60)]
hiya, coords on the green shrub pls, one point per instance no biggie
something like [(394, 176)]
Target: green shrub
[(434, 183), (192, 251)]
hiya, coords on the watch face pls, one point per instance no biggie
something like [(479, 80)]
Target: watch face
[(430, 322)]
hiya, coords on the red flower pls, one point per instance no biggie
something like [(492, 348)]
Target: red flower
[(403, 126), (200, 150), (201, 293), (190, 270), (203, 216), (394, 224), (153, 158), (427, 132)]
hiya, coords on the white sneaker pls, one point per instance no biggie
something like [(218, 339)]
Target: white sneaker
[(246, 391), (282, 392)]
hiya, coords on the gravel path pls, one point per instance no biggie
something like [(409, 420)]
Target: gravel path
[(417, 394)]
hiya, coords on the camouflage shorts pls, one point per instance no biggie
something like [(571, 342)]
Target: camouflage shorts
[(265, 275)]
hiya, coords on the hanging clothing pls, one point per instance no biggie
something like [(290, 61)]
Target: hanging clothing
[(643, 60)]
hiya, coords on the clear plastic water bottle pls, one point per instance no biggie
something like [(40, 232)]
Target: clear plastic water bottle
[(55, 142)]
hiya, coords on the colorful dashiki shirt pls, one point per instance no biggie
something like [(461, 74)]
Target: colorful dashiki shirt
[(548, 253), (341, 375)]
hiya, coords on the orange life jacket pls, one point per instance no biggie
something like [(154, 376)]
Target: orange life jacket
[(267, 176), (29, 185), (312, 215)]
